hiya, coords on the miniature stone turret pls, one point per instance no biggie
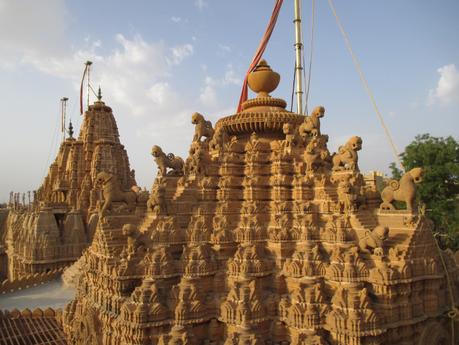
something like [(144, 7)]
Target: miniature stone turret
[(262, 236)]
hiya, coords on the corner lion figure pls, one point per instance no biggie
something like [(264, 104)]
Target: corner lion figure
[(167, 161), (403, 190), (346, 157), (111, 189), (203, 128), (311, 124), (374, 239)]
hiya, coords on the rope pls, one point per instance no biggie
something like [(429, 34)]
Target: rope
[(311, 49), (365, 84), (260, 50), (51, 147), (453, 314)]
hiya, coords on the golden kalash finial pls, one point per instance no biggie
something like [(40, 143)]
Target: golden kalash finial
[(263, 80)]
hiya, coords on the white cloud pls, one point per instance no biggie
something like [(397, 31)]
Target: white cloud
[(27, 27), (223, 50), (447, 90), (134, 75), (208, 95), (200, 4), (176, 19), (179, 53), (162, 94)]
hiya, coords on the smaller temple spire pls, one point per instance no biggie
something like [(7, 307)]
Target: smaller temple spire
[(99, 94), (70, 130)]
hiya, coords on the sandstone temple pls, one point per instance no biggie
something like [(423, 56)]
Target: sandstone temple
[(260, 236), (42, 237)]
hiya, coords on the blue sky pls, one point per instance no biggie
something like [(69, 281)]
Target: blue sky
[(159, 61)]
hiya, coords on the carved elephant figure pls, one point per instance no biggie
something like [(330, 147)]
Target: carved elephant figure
[(403, 190)]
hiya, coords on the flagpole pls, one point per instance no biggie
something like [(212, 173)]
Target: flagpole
[(63, 115), (89, 63), (298, 57)]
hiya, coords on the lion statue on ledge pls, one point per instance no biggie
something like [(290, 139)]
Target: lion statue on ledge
[(111, 189), (346, 157), (203, 128), (167, 161), (403, 190), (311, 124)]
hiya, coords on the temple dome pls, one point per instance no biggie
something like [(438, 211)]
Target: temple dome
[(263, 113)]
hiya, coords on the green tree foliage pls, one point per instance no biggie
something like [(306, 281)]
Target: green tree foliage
[(439, 190)]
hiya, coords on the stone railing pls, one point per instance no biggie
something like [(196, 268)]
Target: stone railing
[(29, 281)]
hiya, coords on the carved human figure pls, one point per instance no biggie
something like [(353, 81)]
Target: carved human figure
[(346, 197), (290, 137), (403, 190), (203, 128), (311, 124), (346, 157), (157, 200), (167, 161), (311, 156), (218, 139), (130, 231)]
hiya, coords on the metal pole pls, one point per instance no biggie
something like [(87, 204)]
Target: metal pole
[(63, 115), (88, 64), (298, 57)]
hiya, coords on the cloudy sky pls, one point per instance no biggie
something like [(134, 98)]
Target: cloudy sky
[(159, 61)]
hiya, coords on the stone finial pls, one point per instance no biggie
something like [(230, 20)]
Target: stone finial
[(99, 94), (70, 130), (263, 80)]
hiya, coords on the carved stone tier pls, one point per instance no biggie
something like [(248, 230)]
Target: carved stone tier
[(261, 236), (250, 122)]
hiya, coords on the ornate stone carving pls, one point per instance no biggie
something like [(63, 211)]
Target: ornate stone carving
[(403, 190), (264, 241), (346, 157), (202, 128), (157, 200), (167, 161), (374, 239), (112, 192), (311, 124)]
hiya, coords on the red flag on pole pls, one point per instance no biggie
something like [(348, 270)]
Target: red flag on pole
[(260, 50)]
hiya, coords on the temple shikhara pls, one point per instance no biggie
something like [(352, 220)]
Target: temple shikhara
[(262, 236), (48, 234)]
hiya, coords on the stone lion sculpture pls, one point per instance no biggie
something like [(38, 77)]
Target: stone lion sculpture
[(203, 128), (167, 161), (374, 239), (311, 124), (111, 189), (403, 190), (346, 157)]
